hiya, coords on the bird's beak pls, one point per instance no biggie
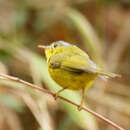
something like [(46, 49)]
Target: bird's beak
[(43, 47)]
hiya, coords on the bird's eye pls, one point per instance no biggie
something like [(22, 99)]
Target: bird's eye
[(55, 45)]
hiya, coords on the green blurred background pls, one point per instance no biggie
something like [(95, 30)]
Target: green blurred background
[(100, 27)]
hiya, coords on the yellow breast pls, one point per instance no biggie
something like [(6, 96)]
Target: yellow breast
[(71, 80)]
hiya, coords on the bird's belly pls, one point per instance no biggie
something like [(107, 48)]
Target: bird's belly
[(71, 80)]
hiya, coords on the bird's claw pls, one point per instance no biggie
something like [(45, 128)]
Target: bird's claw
[(80, 107), (55, 95)]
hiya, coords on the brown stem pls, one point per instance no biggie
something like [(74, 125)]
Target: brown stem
[(7, 77)]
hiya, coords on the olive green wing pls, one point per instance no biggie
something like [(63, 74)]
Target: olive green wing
[(78, 63), (75, 63), (81, 63)]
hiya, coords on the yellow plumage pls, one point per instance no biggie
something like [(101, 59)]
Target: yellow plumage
[(71, 67), (71, 80)]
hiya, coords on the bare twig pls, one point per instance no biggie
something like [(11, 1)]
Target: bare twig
[(7, 77)]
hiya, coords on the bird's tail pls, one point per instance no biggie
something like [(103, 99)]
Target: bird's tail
[(105, 75), (109, 74)]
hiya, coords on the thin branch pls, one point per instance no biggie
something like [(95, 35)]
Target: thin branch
[(7, 77)]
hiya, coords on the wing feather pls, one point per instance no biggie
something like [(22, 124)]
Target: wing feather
[(78, 61), (74, 63)]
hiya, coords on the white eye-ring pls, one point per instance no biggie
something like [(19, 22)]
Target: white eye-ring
[(55, 45)]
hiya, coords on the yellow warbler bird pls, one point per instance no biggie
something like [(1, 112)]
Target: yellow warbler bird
[(71, 68)]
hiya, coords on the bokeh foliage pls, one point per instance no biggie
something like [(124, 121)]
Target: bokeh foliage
[(101, 28)]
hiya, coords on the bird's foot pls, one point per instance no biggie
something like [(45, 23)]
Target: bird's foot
[(80, 107), (55, 95)]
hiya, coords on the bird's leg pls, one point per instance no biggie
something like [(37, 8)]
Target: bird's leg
[(82, 100), (57, 93)]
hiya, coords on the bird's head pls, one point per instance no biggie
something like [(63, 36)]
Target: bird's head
[(54, 48)]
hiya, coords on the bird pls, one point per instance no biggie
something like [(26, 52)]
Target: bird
[(72, 68)]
